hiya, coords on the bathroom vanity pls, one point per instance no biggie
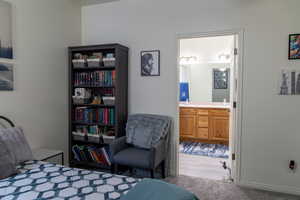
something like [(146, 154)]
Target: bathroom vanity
[(207, 123)]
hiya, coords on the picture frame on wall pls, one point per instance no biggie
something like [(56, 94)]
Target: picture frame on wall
[(220, 79), (289, 82), (6, 76), (150, 63), (294, 46)]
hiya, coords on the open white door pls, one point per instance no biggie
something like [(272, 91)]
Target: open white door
[(233, 111)]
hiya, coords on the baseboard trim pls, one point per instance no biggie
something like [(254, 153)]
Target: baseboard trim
[(272, 188)]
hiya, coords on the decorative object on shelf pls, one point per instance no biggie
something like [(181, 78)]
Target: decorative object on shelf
[(96, 60), (109, 60), (289, 82), (109, 101), (96, 100), (150, 63), (6, 77), (220, 78), (294, 46), (6, 48)]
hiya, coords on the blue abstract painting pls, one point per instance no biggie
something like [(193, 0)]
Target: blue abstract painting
[(6, 49)]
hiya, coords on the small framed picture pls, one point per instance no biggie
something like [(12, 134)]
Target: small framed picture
[(220, 79), (294, 46), (6, 76), (150, 63)]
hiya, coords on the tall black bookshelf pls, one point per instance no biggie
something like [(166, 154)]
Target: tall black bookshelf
[(89, 70)]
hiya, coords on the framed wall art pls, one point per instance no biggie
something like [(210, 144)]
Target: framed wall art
[(6, 44), (150, 63), (294, 46)]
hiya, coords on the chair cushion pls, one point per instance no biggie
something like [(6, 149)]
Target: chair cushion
[(133, 157), (7, 162), (142, 137), (145, 130), (15, 141)]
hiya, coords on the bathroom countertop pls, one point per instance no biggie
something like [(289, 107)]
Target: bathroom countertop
[(205, 105)]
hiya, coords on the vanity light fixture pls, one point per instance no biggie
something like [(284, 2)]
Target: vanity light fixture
[(189, 60)]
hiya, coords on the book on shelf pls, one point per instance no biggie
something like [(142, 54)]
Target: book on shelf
[(92, 154), (104, 116), (95, 79)]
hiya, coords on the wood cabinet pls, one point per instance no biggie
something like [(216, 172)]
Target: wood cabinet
[(187, 125), (219, 128), (210, 125)]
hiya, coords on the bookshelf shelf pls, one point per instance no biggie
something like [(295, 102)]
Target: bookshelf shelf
[(93, 68), (89, 86), (92, 124), (98, 82), (87, 142), (94, 105)]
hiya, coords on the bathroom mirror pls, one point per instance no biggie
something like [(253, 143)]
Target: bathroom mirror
[(205, 83)]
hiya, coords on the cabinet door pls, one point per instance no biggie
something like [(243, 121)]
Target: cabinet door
[(202, 121), (187, 125), (219, 128), (202, 133)]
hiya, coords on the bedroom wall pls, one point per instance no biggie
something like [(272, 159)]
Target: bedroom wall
[(270, 123), (43, 29)]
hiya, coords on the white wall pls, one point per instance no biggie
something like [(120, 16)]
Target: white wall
[(43, 31), (270, 127)]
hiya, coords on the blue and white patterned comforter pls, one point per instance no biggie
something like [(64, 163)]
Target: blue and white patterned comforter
[(40, 180)]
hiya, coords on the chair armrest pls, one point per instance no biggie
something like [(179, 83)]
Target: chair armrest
[(118, 145), (158, 153)]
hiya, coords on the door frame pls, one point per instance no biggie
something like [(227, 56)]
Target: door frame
[(237, 126)]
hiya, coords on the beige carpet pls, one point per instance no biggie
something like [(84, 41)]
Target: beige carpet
[(216, 190)]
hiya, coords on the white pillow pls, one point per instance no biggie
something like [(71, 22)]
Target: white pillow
[(16, 143)]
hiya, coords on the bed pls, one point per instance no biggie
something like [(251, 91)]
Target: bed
[(39, 180)]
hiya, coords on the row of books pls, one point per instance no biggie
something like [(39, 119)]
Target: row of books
[(92, 154), (95, 78), (95, 115), (93, 130)]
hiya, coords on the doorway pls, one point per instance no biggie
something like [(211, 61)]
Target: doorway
[(209, 116)]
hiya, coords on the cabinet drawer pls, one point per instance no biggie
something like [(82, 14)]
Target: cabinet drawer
[(187, 111), (202, 133), (202, 112), (202, 121), (219, 112)]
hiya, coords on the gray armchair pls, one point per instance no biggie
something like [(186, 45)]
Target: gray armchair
[(145, 143)]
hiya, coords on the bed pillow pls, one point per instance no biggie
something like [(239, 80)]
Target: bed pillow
[(142, 137), (7, 162), (150, 189), (16, 143)]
